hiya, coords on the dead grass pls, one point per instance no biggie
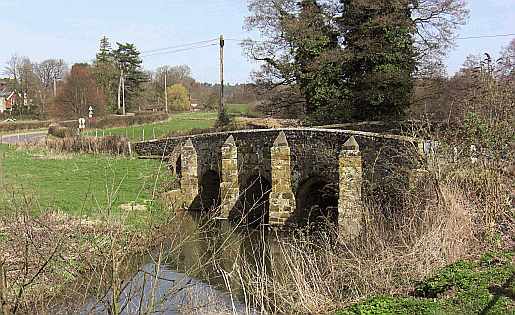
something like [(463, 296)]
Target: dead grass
[(45, 256), (116, 145), (52, 155), (458, 211)]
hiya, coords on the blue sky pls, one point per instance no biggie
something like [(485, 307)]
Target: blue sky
[(71, 30), (487, 17)]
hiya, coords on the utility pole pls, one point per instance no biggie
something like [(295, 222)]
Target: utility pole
[(221, 74), (54, 87), (123, 94), (166, 96), (119, 87)]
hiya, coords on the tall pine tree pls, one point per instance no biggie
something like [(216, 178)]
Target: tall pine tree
[(128, 62), (106, 73), (378, 36)]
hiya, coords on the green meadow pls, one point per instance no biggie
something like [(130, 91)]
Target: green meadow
[(90, 185), (177, 122), (78, 184)]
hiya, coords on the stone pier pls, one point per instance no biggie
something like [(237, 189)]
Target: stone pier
[(350, 210), (282, 201)]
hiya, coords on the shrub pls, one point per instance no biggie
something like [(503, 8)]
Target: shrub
[(116, 144), (58, 130)]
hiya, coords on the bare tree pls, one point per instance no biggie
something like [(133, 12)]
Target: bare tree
[(506, 63), (436, 22), (51, 70), (79, 92), (21, 70)]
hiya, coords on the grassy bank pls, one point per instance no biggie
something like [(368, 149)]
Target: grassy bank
[(74, 226), (177, 122), (77, 184), (482, 286)]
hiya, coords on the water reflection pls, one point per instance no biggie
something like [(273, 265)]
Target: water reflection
[(200, 271)]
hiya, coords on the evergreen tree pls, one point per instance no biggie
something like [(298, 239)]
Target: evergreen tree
[(106, 73), (129, 63), (378, 35), (349, 59), (106, 53), (318, 64)]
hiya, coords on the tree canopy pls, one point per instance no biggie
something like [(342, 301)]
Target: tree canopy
[(378, 36), (178, 97), (78, 93), (352, 59)]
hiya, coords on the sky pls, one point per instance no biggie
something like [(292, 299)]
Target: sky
[(71, 30), (487, 18)]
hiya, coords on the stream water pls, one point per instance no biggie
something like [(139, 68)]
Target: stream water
[(200, 270)]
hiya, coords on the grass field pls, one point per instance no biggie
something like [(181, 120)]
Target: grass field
[(78, 184), (177, 122), (236, 109), (88, 185)]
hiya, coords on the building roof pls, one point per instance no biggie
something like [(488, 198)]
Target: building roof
[(6, 94)]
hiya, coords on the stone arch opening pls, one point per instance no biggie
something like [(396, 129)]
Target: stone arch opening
[(253, 204), (209, 191), (317, 203), (178, 166)]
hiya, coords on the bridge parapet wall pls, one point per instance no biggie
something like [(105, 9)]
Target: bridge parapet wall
[(288, 157)]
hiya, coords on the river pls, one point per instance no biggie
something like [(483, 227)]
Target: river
[(199, 270)]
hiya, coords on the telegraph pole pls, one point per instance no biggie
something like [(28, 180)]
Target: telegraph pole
[(123, 93), (119, 87), (221, 74), (166, 96)]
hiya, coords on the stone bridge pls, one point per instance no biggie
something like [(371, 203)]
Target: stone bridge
[(287, 176)]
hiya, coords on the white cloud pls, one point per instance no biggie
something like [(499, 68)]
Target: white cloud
[(6, 4)]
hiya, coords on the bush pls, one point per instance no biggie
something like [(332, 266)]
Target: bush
[(58, 131), (116, 145), (23, 125)]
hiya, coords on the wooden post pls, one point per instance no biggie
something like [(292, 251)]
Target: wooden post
[(221, 74), (166, 96)]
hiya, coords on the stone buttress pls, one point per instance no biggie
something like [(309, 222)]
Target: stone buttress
[(282, 200), (350, 210), (229, 187), (189, 173)]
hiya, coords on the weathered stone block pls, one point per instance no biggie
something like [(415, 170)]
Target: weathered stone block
[(288, 195)]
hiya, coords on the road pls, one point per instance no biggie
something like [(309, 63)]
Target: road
[(23, 137)]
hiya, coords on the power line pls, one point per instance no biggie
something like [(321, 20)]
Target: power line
[(178, 50), (173, 47), (485, 36)]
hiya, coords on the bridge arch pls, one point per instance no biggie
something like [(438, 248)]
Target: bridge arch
[(209, 191), (317, 202), (254, 200)]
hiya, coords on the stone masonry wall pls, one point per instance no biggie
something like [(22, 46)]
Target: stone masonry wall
[(301, 153)]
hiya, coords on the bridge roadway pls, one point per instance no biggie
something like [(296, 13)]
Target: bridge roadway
[(287, 176)]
